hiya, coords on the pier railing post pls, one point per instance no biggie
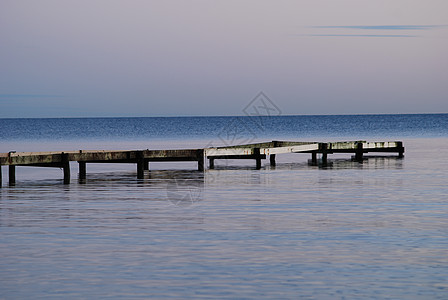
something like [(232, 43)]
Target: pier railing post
[(211, 163)]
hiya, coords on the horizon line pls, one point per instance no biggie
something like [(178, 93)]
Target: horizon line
[(229, 116)]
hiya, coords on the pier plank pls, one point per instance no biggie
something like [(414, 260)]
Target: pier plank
[(290, 149), (228, 151)]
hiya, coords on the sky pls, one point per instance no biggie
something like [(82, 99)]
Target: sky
[(110, 58)]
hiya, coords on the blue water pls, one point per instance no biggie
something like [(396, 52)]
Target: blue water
[(376, 230), (389, 126)]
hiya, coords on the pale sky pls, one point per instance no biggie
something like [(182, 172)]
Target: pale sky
[(86, 58)]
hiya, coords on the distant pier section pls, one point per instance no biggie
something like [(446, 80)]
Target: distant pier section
[(142, 158)]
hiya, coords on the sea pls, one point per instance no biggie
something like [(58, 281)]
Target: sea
[(376, 229)]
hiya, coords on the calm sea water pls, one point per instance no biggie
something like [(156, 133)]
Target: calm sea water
[(376, 230)]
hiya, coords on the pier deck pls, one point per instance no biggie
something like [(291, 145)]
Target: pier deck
[(142, 158)]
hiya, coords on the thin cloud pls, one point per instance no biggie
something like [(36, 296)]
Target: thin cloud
[(384, 27), (366, 35), (17, 96), (378, 31)]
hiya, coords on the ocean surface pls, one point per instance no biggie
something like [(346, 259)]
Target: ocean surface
[(371, 230)]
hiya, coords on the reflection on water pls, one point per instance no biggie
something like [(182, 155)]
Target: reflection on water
[(183, 188), (377, 162), (351, 230)]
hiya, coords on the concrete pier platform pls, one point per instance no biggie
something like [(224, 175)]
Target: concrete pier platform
[(142, 158)]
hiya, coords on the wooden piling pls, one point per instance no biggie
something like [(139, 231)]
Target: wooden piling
[(257, 158), (272, 156), (359, 152), (314, 158), (65, 163), (82, 170), (324, 147), (400, 149), (140, 164), (201, 159), (12, 175)]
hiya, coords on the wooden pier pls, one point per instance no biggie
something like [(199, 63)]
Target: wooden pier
[(142, 158)]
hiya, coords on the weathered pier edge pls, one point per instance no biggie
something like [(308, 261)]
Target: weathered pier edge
[(142, 158)]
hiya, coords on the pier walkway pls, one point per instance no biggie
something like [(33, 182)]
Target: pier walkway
[(142, 158)]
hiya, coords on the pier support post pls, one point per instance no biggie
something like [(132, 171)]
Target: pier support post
[(211, 163), (146, 165), (140, 165), (82, 170), (257, 158), (324, 159), (359, 152), (400, 149), (314, 158), (201, 159), (272, 156), (324, 147), (12, 175), (1, 179), (65, 163)]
